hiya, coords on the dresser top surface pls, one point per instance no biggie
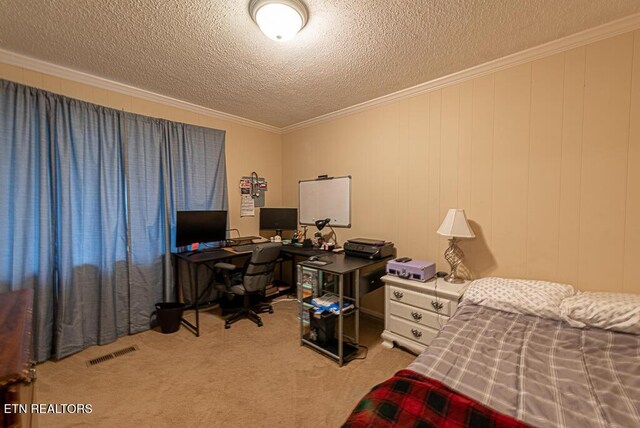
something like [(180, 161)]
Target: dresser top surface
[(444, 288)]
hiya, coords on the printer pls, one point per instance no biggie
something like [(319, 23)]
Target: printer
[(372, 249)]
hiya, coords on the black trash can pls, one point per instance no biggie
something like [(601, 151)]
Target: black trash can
[(169, 316), (322, 326)]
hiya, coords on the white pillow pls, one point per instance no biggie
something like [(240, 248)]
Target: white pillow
[(610, 311), (519, 296)]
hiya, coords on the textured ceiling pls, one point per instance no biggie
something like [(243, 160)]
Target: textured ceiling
[(210, 53)]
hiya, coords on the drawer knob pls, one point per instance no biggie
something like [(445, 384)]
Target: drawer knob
[(398, 294), (436, 305), (416, 333), (416, 315)]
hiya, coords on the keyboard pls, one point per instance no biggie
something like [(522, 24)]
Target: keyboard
[(248, 248), (316, 262), (242, 240)]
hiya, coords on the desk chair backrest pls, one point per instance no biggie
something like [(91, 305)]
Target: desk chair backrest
[(260, 268)]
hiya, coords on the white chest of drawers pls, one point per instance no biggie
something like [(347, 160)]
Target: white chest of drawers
[(415, 311)]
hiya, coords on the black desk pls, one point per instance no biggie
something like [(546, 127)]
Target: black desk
[(206, 258), (341, 264), (209, 257), (301, 251)]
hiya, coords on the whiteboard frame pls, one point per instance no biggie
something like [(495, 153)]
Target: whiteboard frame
[(324, 179)]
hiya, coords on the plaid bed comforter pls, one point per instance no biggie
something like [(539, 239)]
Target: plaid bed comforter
[(409, 399), (539, 371)]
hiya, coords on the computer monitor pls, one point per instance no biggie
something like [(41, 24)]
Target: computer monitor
[(200, 226), (279, 219)]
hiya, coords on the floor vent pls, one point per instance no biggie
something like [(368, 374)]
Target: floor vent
[(112, 355)]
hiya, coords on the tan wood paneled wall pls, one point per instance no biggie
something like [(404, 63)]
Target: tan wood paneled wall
[(247, 149), (544, 157)]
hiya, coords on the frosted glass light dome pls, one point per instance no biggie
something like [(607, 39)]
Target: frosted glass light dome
[(279, 20)]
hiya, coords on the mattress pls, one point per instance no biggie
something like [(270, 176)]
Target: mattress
[(537, 370)]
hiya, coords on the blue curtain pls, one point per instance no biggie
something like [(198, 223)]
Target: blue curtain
[(88, 208), (92, 286), (171, 167), (147, 172), (26, 205), (195, 146)]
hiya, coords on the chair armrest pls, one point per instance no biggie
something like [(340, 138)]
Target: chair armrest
[(225, 270), (225, 266)]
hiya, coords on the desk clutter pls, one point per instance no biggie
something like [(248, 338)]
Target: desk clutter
[(330, 302), (300, 239), (372, 249)]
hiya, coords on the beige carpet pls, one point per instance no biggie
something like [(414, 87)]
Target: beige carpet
[(244, 376)]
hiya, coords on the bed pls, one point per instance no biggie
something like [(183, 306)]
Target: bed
[(548, 357)]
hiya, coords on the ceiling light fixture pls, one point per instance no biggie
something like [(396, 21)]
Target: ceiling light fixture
[(279, 20)]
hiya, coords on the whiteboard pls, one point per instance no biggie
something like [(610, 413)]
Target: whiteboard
[(326, 198)]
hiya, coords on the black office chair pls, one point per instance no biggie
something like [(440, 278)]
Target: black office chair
[(253, 279)]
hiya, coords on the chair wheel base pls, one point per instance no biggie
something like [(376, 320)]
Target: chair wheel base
[(249, 312)]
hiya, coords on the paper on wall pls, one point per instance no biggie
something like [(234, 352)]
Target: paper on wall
[(247, 206)]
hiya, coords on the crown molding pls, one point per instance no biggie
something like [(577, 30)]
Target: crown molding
[(34, 64), (591, 35)]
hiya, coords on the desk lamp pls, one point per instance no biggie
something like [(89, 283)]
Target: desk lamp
[(455, 226), (320, 224)]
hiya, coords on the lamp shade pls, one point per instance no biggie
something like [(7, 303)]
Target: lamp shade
[(320, 224), (455, 225)]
